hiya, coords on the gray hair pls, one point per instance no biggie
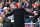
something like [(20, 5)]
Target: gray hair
[(19, 4)]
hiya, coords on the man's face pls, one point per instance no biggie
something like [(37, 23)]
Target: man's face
[(19, 6)]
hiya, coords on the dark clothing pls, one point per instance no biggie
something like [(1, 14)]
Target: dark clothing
[(39, 0), (8, 5), (30, 7), (36, 17), (16, 0), (18, 16), (7, 24), (5, 0), (39, 13), (39, 8)]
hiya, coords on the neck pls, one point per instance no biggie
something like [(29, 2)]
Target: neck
[(19, 8)]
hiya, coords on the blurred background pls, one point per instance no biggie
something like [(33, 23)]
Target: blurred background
[(6, 6)]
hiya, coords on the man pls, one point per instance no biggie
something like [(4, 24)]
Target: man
[(18, 16), (38, 21)]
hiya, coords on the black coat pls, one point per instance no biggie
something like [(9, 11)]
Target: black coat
[(18, 16)]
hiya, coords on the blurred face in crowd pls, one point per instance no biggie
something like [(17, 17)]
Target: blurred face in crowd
[(29, 10), (19, 6), (5, 10), (2, 13), (28, 4), (6, 2), (37, 4)]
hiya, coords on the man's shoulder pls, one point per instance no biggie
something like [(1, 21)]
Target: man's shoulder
[(17, 9)]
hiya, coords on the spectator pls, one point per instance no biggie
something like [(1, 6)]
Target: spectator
[(7, 4), (5, 9)]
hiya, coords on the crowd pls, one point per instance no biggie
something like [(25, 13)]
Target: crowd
[(7, 6)]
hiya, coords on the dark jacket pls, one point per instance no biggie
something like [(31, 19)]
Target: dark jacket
[(36, 17), (18, 16)]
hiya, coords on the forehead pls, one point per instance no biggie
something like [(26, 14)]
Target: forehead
[(19, 4)]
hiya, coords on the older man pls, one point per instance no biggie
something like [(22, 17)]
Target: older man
[(19, 16)]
